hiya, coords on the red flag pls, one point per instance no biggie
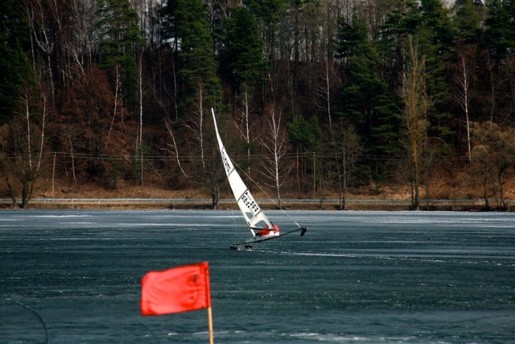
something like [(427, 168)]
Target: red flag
[(181, 289)]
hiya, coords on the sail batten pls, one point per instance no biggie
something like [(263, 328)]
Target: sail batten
[(249, 208)]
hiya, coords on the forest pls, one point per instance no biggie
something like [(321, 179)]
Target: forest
[(312, 97)]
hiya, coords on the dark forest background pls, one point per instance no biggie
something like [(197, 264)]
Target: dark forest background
[(312, 97)]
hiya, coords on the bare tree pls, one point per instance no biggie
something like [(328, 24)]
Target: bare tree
[(328, 80), (139, 138), (416, 105), (80, 43), (463, 93), (117, 100), (28, 131), (346, 152), (174, 149), (196, 121), (43, 35), (200, 123), (494, 151), (481, 170), (244, 121), (144, 8), (274, 142), (5, 164)]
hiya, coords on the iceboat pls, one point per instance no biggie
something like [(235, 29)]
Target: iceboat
[(261, 228)]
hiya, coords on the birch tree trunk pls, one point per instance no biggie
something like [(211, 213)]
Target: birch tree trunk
[(139, 144), (463, 97), (245, 118), (26, 168), (115, 108), (174, 146), (274, 142), (41, 32), (200, 93)]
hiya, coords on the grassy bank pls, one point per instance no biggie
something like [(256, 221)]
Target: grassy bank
[(227, 203)]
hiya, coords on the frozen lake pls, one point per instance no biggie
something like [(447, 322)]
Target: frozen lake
[(355, 277)]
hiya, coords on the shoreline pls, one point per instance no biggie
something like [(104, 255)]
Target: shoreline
[(226, 203)]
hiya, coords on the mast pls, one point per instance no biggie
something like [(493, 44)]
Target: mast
[(255, 217)]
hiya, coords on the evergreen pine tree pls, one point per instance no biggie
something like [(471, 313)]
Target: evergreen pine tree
[(500, 28), (429, 24), (198, 69), (243, 50), (368, 104), (14, 65), (469, 15), (119, 37)]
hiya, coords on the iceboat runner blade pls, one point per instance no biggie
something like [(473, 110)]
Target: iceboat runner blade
[(249, 242)]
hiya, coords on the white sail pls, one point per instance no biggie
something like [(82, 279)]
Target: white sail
[(251, 211)]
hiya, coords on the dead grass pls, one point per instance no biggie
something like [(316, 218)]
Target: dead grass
[(128, 191), (459, 188)]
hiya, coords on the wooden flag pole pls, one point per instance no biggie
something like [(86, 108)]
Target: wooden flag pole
[(210, 322)]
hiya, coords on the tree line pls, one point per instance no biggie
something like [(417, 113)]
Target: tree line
[(312, 96)]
